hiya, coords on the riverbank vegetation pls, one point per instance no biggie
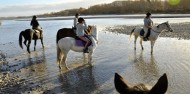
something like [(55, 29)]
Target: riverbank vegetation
[(129, 7)]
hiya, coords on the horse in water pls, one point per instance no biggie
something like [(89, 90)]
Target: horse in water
[(29, 35), (122, 86), (66, 41), (155, 32)]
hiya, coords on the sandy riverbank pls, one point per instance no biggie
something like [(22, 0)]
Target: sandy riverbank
[(181, 30)]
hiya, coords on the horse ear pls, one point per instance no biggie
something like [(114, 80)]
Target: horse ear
[(120, 84), (161, 86)]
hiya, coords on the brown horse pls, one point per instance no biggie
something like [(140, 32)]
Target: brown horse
[(68, 32), (123, 88), (65, 32), (30, 34)]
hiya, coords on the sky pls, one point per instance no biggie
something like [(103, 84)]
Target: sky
[(14, 8)]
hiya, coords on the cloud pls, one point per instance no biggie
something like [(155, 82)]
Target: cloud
[(28, 10)]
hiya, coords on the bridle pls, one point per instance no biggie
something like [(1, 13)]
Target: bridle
[(161, 24)]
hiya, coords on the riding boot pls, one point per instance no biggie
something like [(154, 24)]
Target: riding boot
[(85, 50), (147, 35)]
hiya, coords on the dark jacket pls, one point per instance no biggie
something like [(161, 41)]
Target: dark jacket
[(34, 23)]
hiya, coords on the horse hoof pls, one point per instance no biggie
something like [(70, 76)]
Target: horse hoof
[(60, 67), (90, 64)]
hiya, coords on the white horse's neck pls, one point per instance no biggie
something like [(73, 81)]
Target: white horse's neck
[(158, 29), (94, 36)]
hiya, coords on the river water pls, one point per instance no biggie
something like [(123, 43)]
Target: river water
[(115, 53)]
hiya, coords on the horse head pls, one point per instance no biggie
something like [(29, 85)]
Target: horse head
[(123, 88), (165, 26)]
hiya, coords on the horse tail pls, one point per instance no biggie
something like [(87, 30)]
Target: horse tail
[(59, 54), (131, 33), (20, 38)]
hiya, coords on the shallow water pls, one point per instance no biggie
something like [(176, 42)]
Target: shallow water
[(115, 53)]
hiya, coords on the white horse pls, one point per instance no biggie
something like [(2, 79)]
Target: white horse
[(66, 44), (155, 32)]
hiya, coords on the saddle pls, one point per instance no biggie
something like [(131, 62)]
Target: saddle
[(145, 37), (142, 32), (36, 31), (82, 43)]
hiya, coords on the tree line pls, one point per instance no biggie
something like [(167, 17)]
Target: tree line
[(128, 7)]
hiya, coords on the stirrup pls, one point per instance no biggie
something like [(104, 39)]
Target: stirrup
[(85, 50), (145, 39)]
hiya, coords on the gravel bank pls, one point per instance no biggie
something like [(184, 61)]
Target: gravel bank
[(181, 30)]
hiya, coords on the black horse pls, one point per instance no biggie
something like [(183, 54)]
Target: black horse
[(28, 35)]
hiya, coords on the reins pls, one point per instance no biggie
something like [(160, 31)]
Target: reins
[(155, 31)]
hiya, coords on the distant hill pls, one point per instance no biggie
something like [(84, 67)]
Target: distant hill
[(127, 7), (123, 7)]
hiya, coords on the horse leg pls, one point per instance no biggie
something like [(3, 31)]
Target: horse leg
[(90, 58), (35, 42), (42, 42), (64, 59), (28, 46), (25, 42), (59, 55), (141, 44), (152, 45), (84, 58), (135, 41)]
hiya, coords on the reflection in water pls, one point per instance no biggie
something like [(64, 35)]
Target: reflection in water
[(77, 81), (34, 66), (37, 64), (145, 67)]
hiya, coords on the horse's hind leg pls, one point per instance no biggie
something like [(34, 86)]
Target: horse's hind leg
[(28, 46), (141, 44), (25, 42), (64, 59), (35, 42), (42, 42)]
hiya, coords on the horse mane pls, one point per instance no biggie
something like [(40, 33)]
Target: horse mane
[(140, 87), (161, 24), (89, 29)]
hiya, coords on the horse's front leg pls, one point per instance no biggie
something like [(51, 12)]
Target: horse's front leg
[(28, 46), (90, 58), (84, 58), (35, 42), (135, 42), (152, 45), (141, 44)]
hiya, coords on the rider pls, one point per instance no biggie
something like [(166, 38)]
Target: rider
[(35, 25), (75, 20), (80, 31), (148, 23)]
